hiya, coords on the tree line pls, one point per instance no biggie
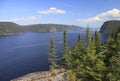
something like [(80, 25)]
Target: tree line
[(89, 61)]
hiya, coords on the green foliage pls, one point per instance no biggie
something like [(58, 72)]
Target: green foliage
[(70, 75), (52, 54), (79, 39), (97, 42), (53, 71), (66, 55), (65, 41), (92, 61), (113, 58), (88, 37)]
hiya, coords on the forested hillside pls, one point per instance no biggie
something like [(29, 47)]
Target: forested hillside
[(7, 28), (50, 27)]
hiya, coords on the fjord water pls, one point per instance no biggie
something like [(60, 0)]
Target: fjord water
[(28, 52)]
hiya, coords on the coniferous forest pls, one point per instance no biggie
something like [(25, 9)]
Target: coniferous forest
[(91, 60)]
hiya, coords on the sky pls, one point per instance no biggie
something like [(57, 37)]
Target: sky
[(70, 12)]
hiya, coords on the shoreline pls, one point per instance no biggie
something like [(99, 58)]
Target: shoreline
[(11, 34)]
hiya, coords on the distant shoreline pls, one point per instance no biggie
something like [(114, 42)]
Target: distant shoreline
[(10, 34)]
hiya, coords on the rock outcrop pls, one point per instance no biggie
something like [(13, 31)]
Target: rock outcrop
[(42, 76), (109, 26)]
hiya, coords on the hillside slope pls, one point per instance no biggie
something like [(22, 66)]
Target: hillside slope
[(7, 28), (110, 26), (50, 27)]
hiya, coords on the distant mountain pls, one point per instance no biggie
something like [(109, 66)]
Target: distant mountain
[(50, 27), (110, 26), (13, 28)]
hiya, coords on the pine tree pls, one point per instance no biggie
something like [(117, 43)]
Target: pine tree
[(66, 52), (88, 37), (112, 58), (80, 46), (65, 41), (97, 42), (52, 54), (79, 39)]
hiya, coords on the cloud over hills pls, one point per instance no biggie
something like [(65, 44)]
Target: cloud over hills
[(113, 14)]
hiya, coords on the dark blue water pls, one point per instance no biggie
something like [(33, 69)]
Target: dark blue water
[(28, 52)]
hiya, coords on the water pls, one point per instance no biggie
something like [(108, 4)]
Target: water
[(28, 52)]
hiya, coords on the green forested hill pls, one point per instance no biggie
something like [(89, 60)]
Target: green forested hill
[(13, 28), (9, 28), (110, 26), (50, 27)]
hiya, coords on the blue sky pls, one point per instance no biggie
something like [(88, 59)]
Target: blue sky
[(71, 12)]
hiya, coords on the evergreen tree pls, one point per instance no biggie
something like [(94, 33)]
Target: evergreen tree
[(90, 62), (112, 58), (52, 54), (79, 39), (88, 37), (80, 46), (66, 51), (93, 65), (97, 42), (65, 41)]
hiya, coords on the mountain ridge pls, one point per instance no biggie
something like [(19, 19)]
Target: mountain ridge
[(13, 28)]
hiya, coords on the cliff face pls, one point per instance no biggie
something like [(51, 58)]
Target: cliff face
[(53, 29), (42, 76), (110, 26)]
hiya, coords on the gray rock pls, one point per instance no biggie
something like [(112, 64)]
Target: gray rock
[(42, 76)]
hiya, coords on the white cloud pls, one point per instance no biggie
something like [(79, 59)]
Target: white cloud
[(52, 10), (113, 14), (31, 18)]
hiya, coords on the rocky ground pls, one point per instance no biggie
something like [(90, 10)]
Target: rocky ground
[(42, 76)]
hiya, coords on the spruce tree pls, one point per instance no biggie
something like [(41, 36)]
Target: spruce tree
[(52, 54), (79, 39), (66, 51), (97, 42), (112, 58), (88, 37), (65, 41)]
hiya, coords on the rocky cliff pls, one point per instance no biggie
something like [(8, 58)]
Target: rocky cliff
[(109, 26)]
